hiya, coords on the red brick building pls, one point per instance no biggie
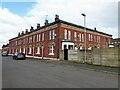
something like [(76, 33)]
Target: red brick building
[(48, 40)]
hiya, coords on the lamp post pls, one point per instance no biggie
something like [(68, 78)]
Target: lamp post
[(84, 34)]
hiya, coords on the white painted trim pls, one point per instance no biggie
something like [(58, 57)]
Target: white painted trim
[(67, 44)]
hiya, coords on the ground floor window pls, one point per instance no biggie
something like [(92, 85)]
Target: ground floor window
[(51, 50), (30, 50), (24, 50), (38, 50)]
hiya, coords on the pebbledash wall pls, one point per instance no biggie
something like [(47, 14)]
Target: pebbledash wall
[(48, 40)]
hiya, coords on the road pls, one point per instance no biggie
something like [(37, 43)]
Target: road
[(31, 73)]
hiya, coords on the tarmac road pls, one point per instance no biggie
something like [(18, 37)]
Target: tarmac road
[(31, 73)]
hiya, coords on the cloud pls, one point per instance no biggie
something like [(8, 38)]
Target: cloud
[(100, 14)]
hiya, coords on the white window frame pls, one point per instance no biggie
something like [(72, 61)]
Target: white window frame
[(39, 37), (51, 50), (34, 38), (89, 37), (30, 50), (20, 50), (24, 50), (94, 38), (38, 50), (53, 33), (50, 35), (80, 36), (69, 35), (65, 34), (42, 36), (75, 36)]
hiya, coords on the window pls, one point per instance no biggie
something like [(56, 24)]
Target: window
[(38, 50), (20, 49), (16, 42), (94, 38), (99, 39), (69, 34), (82, 37), (24, 50), (65, 34), (51, 50), (89, 37), (30, 39), (34, 38), (52, 34), (30, 50), (39, 37), (75, 36), (42, 36), (26, 40)]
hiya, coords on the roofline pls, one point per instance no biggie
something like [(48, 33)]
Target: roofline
[(65, 22)]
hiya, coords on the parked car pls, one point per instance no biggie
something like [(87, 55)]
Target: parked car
[(18, 55), (4, 53)]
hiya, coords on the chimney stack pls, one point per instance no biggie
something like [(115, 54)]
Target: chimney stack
[(95, 29), (26, 31), (31, 29), (38, 25), (46, 22), (57, 17), (22, 33), (18, 34)]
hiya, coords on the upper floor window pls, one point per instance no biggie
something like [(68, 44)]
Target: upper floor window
[(94, 38), (30, 39), (42, 36), (98, 39), (82, 37), (34, 38), (16, 43), (65, 34), (52, 34), (39, 37), (69, 35), (75, 36), (90, 37)]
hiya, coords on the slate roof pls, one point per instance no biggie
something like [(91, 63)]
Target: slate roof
[(64, 22)]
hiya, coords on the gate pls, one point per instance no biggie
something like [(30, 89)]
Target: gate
[(65, 54)]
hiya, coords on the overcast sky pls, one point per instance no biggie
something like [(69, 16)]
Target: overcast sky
[(16, 16)]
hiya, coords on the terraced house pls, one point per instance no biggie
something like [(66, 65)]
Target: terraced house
[(48, 40)]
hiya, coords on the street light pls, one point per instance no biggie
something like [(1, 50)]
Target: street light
[(85, 34)]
